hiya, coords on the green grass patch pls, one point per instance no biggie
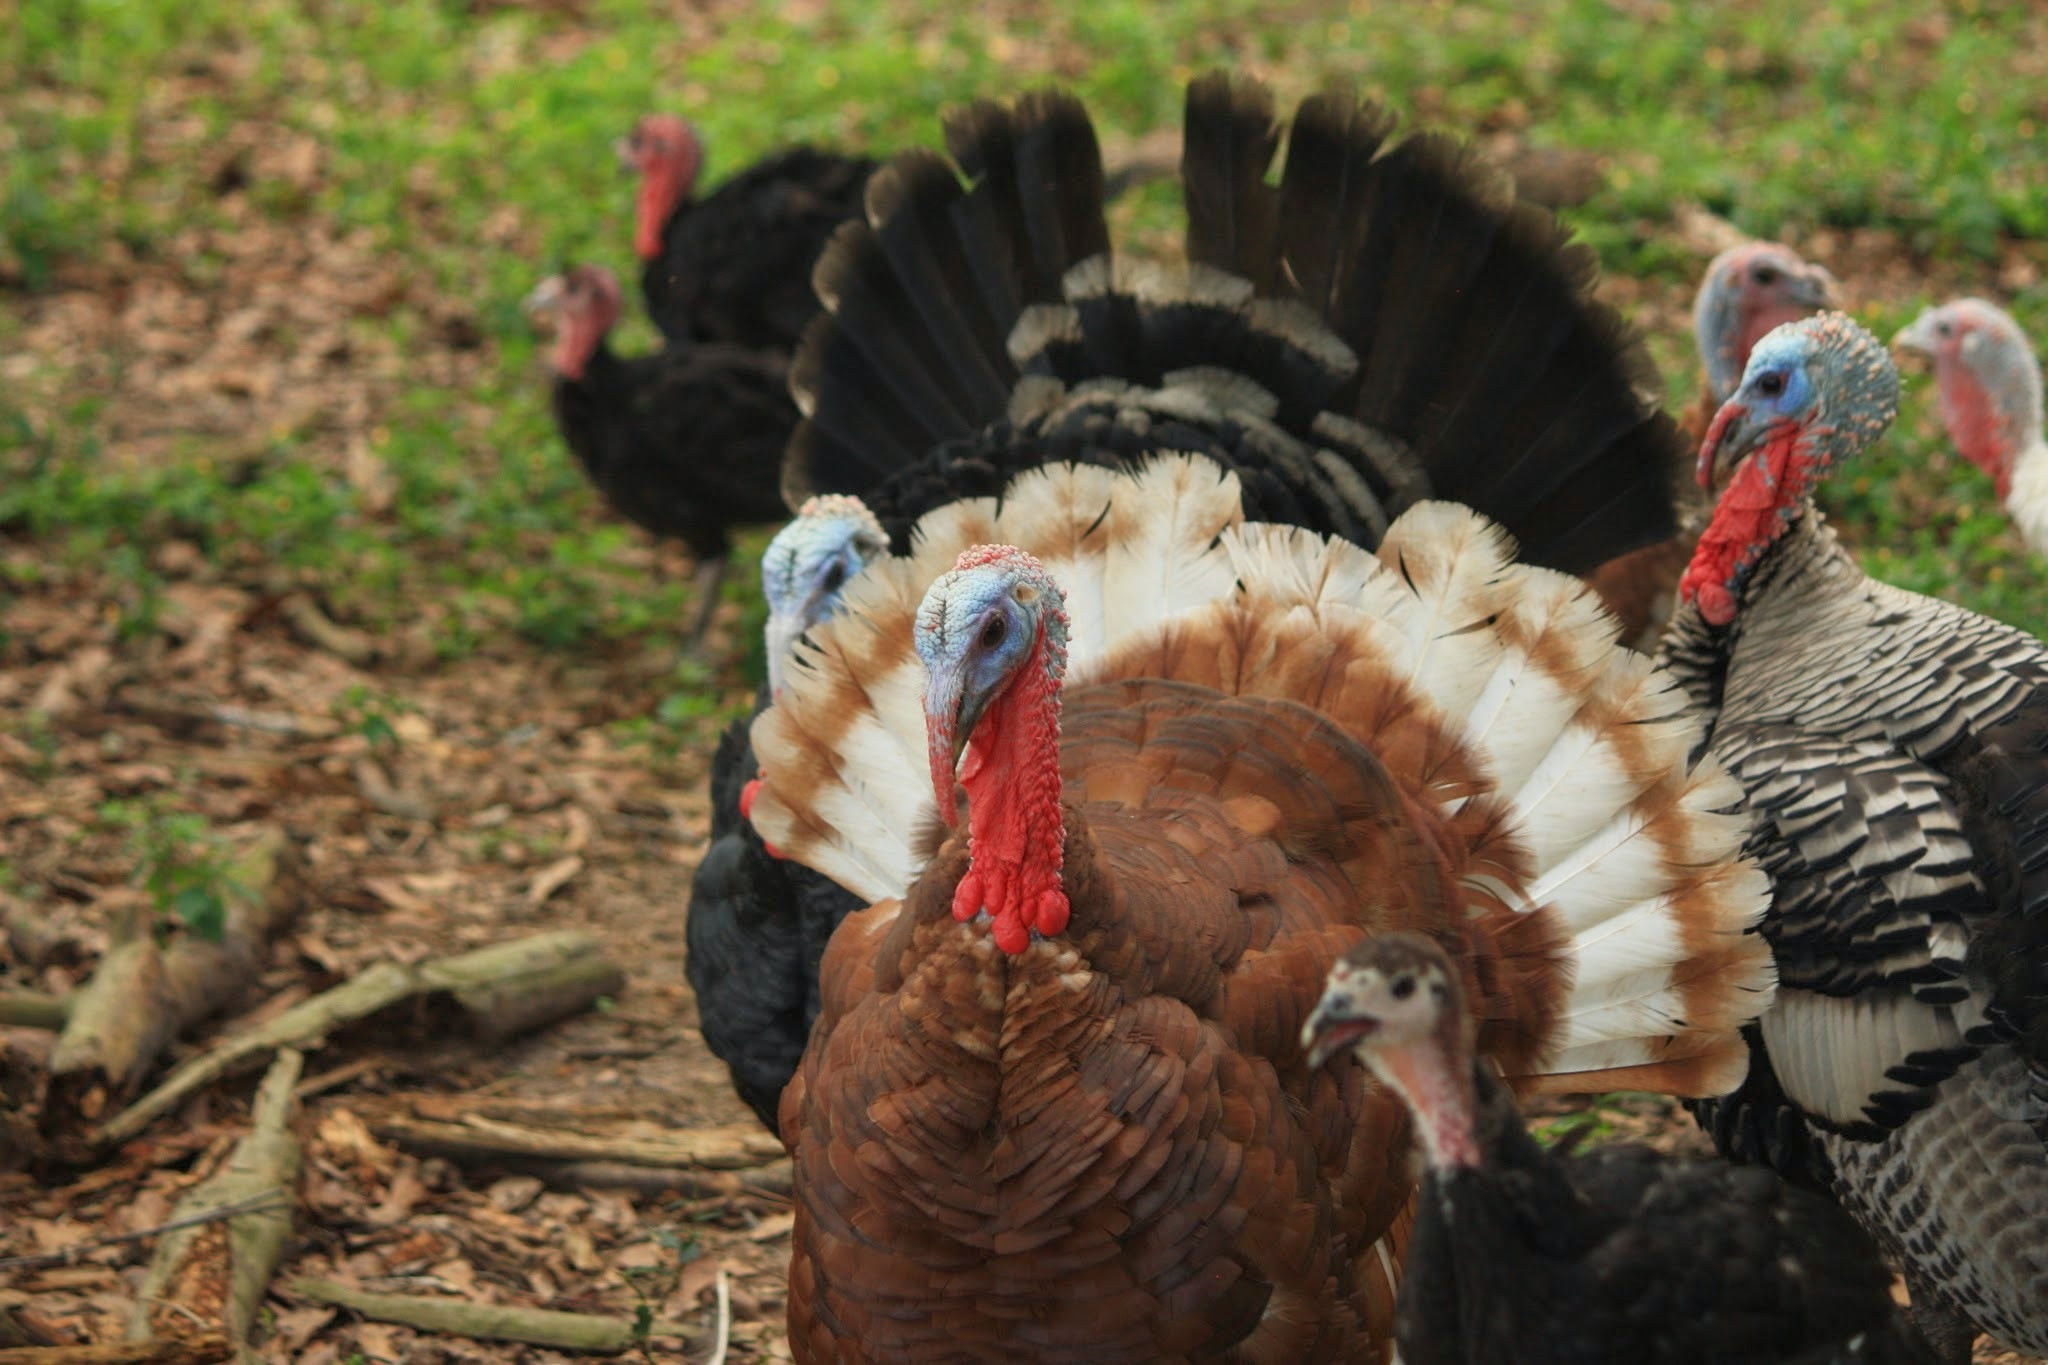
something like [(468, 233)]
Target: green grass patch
[(472, 144)]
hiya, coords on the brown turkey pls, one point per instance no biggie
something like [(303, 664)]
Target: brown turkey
[(1291, 355), (1747, 291), (1552, 1257), (1895, 753), (683, 443), (1054, 1101), (734, 266)]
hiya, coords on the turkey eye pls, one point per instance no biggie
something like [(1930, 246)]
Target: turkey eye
[(834, 576), (1766, 275), (992, 633), (1943, 329), (1770, 385), (1404, 987)]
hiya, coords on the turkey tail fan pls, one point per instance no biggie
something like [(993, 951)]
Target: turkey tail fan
[(1480, 346), (1043, 161), (1495, 691), (921, 298), (1228, 144)]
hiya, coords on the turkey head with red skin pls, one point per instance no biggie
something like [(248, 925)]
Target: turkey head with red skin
[(1815, 391), (665, 152)]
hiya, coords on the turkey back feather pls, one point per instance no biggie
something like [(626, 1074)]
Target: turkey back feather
[(1404, 329)]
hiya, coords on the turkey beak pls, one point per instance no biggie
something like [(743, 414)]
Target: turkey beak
[(1918, 338), (949, 720), (545, 298), (1814, 289), (1735, 433), (781, 637), (629, 160), (1334, 1027)]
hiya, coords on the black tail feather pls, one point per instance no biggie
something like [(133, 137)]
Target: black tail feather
[(913, 351), (912, 202), (1479, 343), (1228, 145), (1323, 223)]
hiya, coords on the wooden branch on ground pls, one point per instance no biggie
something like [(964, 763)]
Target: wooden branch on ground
[(207, 1350), (33, 1009), (14, 1333), (774, 1181), (504, 988), (459, 1127), (317, 628), (142, 996), (221, 1270), (491, 1321), (72, 1254), (160, 704)]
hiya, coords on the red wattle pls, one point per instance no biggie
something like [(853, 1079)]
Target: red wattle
[(1016, 829), (1973, 424), (1746, 519), (651, 208)]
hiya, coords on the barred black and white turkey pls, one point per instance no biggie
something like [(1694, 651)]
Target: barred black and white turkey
[(1535, 1255), (1383, 325), (1895, 753)]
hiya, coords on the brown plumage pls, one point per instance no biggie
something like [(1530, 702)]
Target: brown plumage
[(1100, 1135)]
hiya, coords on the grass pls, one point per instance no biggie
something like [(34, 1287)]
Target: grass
[(470, 144)]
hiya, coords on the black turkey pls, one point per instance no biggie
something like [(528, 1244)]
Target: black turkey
[(1538, 1255)]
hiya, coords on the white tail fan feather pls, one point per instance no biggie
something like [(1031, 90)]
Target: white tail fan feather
[(1583, 738), (1830, 1052)]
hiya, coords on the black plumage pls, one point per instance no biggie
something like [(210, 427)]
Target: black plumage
[(683, 442), (1543, 1254), (978, 325), (735, 266), (1620, 1254), (1404, 329), (757, 927)]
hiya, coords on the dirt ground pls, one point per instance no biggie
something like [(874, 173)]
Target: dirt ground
[(497, 805)]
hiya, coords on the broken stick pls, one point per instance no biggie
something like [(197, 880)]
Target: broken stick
[(33, 1009), (565, 970), (474, 1133), (71, 1255), (493, 1321), (207, 1350), (221, 1270), (142, 995)]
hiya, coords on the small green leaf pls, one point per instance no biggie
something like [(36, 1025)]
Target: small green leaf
[(202, 912)]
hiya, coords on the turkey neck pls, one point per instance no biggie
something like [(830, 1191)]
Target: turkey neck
[(1016, 833), (661, 190), (1442, 1089), (1995, 436), (580, 347), (1763, 500)]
